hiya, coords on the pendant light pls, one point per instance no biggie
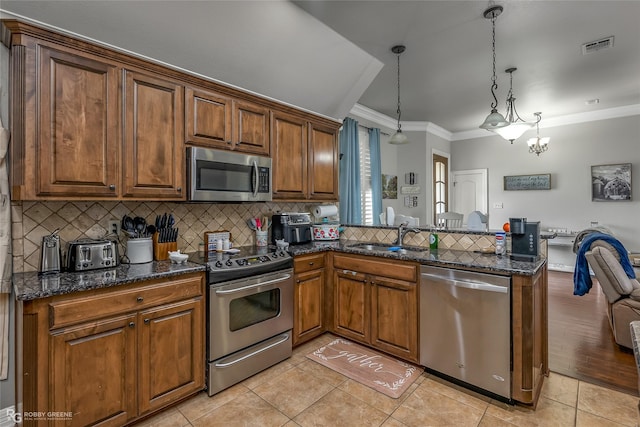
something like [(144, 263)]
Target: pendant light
[(398, 138), (517, 126), (538, 145), (494, 120)]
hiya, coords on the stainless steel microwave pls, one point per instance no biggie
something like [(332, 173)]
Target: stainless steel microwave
[(226, 176)]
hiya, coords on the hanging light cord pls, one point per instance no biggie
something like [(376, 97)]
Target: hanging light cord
[(494, 85), (512, 112), (398, 111)]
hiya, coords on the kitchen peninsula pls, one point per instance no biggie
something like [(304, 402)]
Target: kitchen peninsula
[(392, 278)]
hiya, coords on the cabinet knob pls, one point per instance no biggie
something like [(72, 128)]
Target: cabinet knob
[(132, 324), (146, 321), (311, 263), (139, 299), (179, 189), (298, 281), (112, 187)]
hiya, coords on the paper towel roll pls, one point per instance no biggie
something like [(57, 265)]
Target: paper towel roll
[(323, 211), (391, 215)]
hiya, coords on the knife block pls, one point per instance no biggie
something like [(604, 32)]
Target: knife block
[(161, 250)]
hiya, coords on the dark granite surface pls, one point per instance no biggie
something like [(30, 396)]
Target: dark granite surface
[(30, 286), (545, 235), (438, 257)]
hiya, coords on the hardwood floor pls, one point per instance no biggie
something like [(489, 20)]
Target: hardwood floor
[(581, 344)]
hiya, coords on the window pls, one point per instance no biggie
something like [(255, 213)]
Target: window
[(440, 186), (366, 196)]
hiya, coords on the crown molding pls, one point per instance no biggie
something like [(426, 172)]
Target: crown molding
[(432, 128)]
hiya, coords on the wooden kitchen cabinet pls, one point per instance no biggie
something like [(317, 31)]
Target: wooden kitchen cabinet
[(219, 121), (305, 159), (116, 354), (376, 303), (529, 304), (308, 315), (153, 129), (77, 125), (93, 371)]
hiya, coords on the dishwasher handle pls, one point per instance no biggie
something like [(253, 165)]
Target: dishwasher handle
[(479, 286)]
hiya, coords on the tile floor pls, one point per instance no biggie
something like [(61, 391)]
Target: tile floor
[(300, 392)]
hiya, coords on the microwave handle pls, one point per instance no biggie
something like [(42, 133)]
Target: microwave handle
[(255, 178)]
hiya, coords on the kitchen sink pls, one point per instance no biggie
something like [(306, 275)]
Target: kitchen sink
[(385, 247)]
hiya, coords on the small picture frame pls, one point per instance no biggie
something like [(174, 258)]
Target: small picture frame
[(611, 183)]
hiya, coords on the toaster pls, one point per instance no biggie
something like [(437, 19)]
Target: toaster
[(88, 254)]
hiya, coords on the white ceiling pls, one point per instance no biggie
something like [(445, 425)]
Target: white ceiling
[(276, 49)]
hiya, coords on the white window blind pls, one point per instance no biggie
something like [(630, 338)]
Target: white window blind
[(365, 177)]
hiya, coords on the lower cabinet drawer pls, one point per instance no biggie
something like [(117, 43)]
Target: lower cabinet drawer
[(108, 302)]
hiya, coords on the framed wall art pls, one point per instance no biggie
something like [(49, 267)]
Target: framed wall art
[(611, 182), (389, 186), (527, 182)]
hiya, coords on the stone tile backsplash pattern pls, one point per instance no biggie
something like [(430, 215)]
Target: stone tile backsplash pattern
[(89, 219)]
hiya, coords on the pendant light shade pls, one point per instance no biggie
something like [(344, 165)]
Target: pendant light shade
[(494, 120), (515, 125), (398, 138)]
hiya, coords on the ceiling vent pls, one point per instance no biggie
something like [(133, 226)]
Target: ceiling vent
[(597, 45)]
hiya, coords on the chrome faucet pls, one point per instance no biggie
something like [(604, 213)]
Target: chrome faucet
[(402, 231)]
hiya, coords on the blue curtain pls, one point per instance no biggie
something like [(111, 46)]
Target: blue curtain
[(376, 174), (350, 199)]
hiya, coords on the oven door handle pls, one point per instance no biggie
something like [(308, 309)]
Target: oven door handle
[(253, 285), (284, 336)]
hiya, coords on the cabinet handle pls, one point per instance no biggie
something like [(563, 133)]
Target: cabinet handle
[(132, 324), (139, 299), (146, 321), (112, 187)]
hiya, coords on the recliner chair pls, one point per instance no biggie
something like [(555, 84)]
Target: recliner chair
[(622, 293)]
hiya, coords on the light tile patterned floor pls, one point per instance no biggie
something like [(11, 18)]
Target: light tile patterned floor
[(300, 392)]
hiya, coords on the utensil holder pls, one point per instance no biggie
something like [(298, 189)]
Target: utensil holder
[(140, 251), (262, 238), (161, 250)]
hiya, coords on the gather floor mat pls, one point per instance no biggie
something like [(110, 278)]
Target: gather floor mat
[(369, 367)]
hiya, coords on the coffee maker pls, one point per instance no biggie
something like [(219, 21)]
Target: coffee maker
[(292, 227), (525, 239)]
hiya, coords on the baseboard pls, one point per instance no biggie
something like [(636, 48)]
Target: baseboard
[(5, 418)]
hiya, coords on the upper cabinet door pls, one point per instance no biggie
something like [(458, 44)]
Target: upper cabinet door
[(208, 119), (323, 163), (78, 140), (289, 157), (251, 128), (153, 132)]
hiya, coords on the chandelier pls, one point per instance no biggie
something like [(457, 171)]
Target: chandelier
[(494, 120), (516, 126), (538, 145), (398, 138)]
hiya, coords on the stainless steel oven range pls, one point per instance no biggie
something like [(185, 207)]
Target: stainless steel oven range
[(250, 314)]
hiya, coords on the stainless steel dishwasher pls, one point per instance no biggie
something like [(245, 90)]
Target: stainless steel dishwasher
[(465, 327)]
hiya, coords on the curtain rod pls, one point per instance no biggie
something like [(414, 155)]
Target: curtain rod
[(368, 128)]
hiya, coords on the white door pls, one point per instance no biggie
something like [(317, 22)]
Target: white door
[(469, 192)]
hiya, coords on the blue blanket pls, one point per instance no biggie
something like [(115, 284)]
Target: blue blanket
[(581, 279)]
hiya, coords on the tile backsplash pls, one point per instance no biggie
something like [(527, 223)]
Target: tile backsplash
[(89, 219)]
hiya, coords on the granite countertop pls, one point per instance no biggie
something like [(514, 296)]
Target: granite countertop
[(439, 257), (31, 286)]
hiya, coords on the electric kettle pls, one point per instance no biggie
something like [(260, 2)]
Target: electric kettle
[(50, 261)]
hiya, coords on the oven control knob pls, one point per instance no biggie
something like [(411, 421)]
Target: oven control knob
[(229, 263), (219, 264), (241, 262)]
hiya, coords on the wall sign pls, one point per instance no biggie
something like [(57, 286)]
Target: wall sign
[(527, 182)]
